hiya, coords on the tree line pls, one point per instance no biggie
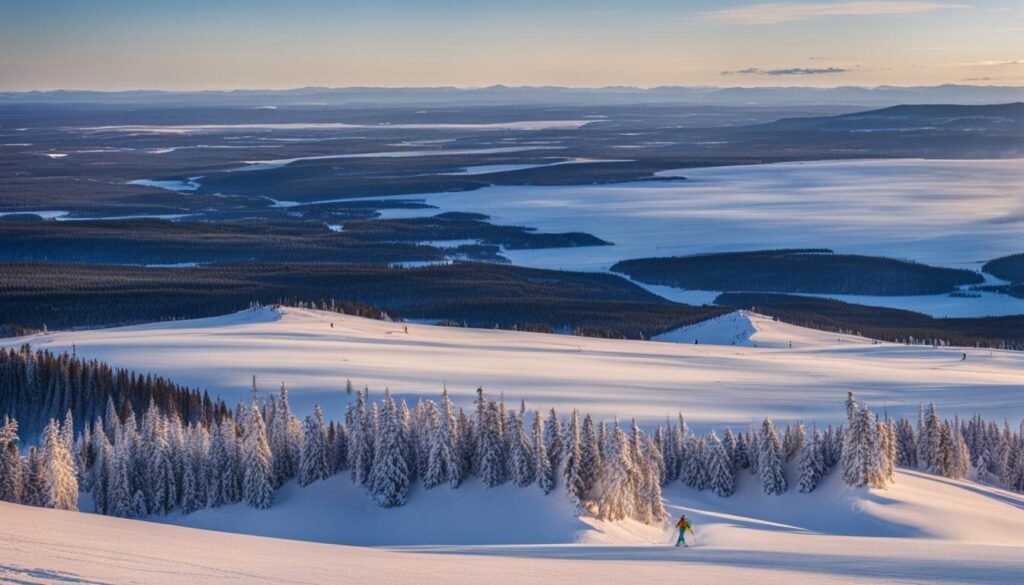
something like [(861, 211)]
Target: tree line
[(36, 386), (134, 466)]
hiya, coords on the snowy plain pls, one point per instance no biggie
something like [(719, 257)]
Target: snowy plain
[(712, 385)]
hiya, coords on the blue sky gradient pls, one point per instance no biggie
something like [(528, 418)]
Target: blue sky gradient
[(190, 44)]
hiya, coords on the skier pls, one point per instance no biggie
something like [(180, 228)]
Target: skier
[(683, 525)]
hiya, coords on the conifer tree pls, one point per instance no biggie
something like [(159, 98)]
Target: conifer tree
[(812, 463), (491, 446), (389, 476), (545, 473), (572, 469), (769, 460), (60, 484), (614, 491), (257, 461), (722, 481), (553, 440), (521, 460), (590, 462), (10, 462), (313, 465)]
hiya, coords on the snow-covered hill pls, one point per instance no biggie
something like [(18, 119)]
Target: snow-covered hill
[(711, 384), (923, 529)]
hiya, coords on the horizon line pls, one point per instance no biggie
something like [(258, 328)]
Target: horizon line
[(506, 87)]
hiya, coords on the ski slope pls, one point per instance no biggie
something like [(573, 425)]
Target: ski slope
[(710, 384), (922, 530)]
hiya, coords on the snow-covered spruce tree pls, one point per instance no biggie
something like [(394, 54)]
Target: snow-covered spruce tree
[(867, 451), (722, 480), (729, 442), (545, 473), (613, 494), (590, 463), (32, 477), (83, 456), (650, 500), (10, 462), (742, 456), (679, 444), (100, 470), (769, 460), (442, 458), (339, 447), (956, 459), (490, 445), (120, 492), (448, 434), (553, 440), (659, 441), (572, 469), (257, 461), (929, 454), (389, 475), (906, 444), (812, 463), (983, 474), (793, 440), (313, 465), (284, 435), (408, 440), (467, 440), (645, 477), (161, 488), (360, 452), (521, 460), (232, 477), (60, 484)]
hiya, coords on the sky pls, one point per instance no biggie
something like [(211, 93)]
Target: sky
[(273, 44)]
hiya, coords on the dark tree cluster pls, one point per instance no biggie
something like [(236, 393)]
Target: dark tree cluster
[(797, 271), (35, 295), (36, 386)]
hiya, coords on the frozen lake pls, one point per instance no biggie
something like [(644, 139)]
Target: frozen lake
[(940, 212)]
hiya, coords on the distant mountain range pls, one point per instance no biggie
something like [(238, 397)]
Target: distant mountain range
[(992, 117), (499, 95)]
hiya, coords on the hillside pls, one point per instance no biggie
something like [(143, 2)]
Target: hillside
[(922, 530), (710, 384)]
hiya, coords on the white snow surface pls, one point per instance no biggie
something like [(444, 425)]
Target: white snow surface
[(711, 384), (923, 529)]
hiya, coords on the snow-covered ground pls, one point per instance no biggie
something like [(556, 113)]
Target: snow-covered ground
[(940, 212), (711, 384), (923, 529)]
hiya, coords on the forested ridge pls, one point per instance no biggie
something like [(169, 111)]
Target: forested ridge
[(797, 271), (61, 296)]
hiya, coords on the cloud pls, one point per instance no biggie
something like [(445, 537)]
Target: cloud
[(776, 12), (994, 63), (787, 71)]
